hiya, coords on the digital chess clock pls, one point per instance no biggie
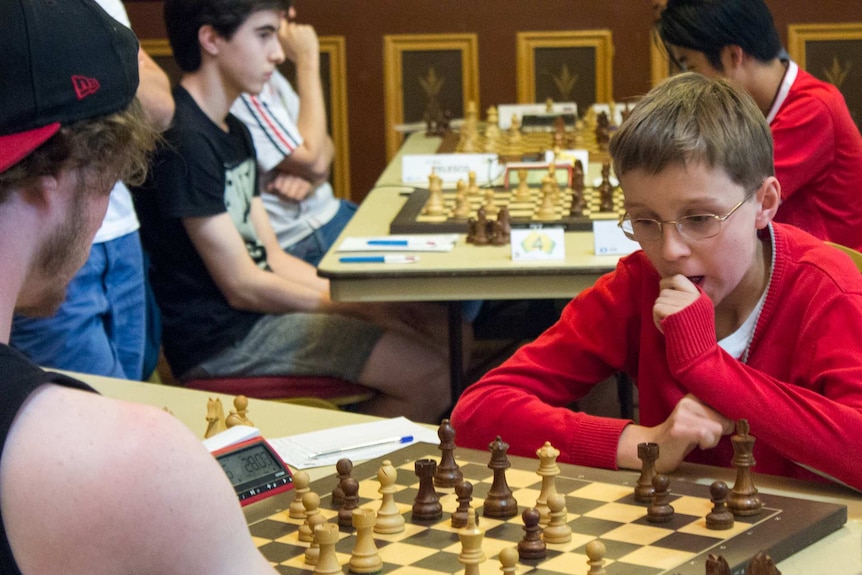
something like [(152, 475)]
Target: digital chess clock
[(255, 470)]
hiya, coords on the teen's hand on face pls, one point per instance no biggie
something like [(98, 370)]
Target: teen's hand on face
[(676, 293), (297, 40), (692, 424), (289, 187)]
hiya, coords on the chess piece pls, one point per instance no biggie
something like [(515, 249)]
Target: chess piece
[(548, 471), (311, 502), (350, 487), (215, 418), (364, 557), (472, 185), (557, 530), (509, 560), (471, 538), (480, 238), (596, 553), (743, 500), (717, 565), (464, 493), (491, 208), (531, 546), (522, 193), (435, 206), (648, 454), (239, 415), (547, 211), (606, 189), (660, 510), (426, 506), (462, 203), (720, 517), (514, 132), (500, 502), (327, 561), (343, 467), (312, 554), (389, 518), (300, 487), (448, 473), (762, 564), (505, 225)]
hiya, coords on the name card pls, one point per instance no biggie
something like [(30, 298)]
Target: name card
[(609, 239), (538, 243), (415, 168)]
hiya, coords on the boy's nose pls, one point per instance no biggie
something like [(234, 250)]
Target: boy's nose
[(673, 245)]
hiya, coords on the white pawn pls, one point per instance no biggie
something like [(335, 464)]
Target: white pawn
[(557, 530), (389, 518), (296, 509), (312, 554), (364, 558), (311, 502), (596, 553), (509, 561)]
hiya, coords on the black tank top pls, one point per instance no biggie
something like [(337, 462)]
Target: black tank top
[(18, 378)]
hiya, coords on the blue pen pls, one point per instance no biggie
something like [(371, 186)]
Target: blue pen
[(401, 243), (374, 443), (378, 259)]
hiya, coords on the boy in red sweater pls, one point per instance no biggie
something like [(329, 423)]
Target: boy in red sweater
[(721, 315)]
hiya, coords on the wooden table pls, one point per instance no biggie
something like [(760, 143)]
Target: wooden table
[(466, 273), (837, 554)]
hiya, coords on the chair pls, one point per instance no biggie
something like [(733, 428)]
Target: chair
[(854, 255), (315, 391)]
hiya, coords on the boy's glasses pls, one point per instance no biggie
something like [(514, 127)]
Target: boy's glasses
[(695, 227)]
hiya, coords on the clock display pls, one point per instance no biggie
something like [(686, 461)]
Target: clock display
[(254, 469)]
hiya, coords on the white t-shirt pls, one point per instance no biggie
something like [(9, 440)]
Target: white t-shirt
[(121, 218)]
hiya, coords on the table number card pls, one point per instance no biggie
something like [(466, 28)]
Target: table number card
[(538, 243), (609, 239)]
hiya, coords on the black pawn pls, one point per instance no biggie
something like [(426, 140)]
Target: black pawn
[(499, 503), (660, 510), (344, 467), (448, 473), (464, 492), (532, 546), (350, 487), (426, 506), (720, 517)]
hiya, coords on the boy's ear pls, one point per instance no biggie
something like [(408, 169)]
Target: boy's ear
[(769, 197), (207, 38), (732, 56)]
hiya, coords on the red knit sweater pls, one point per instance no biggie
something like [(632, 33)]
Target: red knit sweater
[(801, 389)]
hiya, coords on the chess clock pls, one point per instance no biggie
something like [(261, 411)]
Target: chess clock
[(255, 470)]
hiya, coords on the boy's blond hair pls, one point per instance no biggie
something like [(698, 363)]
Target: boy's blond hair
[(690, 118)]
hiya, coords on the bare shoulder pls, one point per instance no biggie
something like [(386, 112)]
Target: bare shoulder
[(95, 485)]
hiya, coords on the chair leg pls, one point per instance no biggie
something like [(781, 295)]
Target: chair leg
[(625, 395)]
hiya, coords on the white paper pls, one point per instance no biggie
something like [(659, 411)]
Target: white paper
[(231, 436), (298, 450), (610, 240), (403, 243), (415, 168)]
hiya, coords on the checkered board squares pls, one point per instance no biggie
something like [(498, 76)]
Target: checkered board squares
[(600, 504), (411, 220)]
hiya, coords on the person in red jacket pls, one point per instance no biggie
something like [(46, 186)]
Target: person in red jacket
[(721, 315), (818, 148)]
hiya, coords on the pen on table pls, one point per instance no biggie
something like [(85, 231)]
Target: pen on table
[(379, 259), (403, 439), (401, 243)]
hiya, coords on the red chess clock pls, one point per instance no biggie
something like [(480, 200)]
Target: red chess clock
[(255, 470)]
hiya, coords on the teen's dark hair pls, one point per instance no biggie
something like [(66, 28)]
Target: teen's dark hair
[(709, 25), (184, 18)]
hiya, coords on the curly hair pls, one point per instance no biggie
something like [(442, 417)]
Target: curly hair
[(109, 148)]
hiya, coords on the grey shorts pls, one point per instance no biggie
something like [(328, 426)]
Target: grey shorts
[(297, 344)]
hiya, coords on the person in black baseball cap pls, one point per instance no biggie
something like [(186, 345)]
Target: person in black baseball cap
[(89, 484)]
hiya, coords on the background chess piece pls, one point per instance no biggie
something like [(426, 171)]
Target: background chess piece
[(343, 467), (389, 518), (499, 503), (464, 493), (426, 506), (448, 473), (531, 546), (548, 471), (471, 538), (364, 557), (720, 517), (660, 510), (239, 415), (327, 561), (300, 487)]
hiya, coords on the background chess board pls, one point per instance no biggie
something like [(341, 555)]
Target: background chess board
[(411, 220), (600, 504)]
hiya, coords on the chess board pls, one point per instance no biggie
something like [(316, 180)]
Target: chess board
[(600, 505), (411, 220)]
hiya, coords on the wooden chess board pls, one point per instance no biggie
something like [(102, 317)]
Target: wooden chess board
[(600, 504), (411, 220), (530, 146)]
